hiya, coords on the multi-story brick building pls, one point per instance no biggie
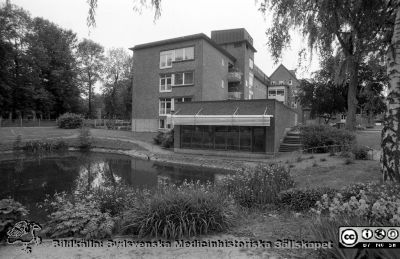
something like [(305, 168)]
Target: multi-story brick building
[(284, 88), (181, 76), (193, 68)]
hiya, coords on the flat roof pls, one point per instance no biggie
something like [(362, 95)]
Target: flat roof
[(182, 39)]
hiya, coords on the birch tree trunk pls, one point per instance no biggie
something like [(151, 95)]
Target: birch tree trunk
[(390, 159)]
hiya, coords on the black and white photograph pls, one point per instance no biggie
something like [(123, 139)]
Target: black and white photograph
[(200, 129)]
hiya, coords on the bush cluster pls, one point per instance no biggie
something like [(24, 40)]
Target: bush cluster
[(37, 146), (360, 152), (169, 212), (165, 139), (259, 186), (373, 202), (80, 218), (70, 121), (180, 211), (316, 138), (303, 199), (11, 212)]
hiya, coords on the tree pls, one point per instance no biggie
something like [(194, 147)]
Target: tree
[(15, 85), (90, 61), (117, 68), (390, 159), (154, 4), (325, 99), (373, 82), (51, 49), (331, 26)]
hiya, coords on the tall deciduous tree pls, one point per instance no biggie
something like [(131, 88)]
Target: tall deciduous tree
[(54, 63), (15, 86), (90, 56), (117, 70), (329, 26)]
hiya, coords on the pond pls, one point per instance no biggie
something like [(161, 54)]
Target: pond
[(29, 179)]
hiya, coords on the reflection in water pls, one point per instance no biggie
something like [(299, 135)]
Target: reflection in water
[(29, 179)]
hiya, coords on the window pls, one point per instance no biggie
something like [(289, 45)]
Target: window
[(165, 106), (162, 124), (165, 83), (166, 58), (272, 92), (281, 82), (290, 82), (280, 92), (176, 55), (251, 63), (189, 53), (178, 79), (186, 78), (273, 82), (183, 99), (179, 54), (251, 80)]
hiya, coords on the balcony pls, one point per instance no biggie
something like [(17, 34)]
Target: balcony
[(234, 77), (234, 95)]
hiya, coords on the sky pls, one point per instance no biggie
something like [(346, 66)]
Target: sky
[(118, 25)]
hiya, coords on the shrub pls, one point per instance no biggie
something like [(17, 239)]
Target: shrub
[(38, 146), (348, 161), (360, 152), (115, 200), (258, 186), (175, 212), (80, 218), (303, 199), (317, 138), (11, 212), (374, 203), (85, 140), (165, 139), (70, 121)]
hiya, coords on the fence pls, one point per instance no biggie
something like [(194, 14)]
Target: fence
[(109, 124), (27, 123)]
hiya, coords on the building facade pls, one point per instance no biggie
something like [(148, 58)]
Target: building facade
[(284, 88), (192, 68), (210, 91)]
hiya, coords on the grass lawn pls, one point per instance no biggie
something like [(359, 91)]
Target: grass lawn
[(371, 139), (273, 225)]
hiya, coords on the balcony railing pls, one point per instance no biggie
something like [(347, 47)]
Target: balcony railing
[(234, 77), (234, 95)]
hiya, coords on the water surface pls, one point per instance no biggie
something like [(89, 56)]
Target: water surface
[(29, 179)]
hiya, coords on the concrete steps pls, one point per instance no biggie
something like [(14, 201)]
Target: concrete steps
[(291, 142)]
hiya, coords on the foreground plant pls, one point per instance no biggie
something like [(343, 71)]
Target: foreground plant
[(180, 211), (258, 186)]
